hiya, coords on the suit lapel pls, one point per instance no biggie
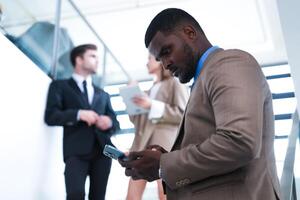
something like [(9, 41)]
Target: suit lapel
[(180, 130), (75, 87), (96, 96), (180, 134)]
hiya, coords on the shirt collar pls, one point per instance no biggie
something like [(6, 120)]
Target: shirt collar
[(79, 79), (202, 60)]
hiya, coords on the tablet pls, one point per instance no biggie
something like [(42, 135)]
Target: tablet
[(127, 93)]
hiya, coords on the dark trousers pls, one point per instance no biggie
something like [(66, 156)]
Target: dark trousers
[(76, 171)]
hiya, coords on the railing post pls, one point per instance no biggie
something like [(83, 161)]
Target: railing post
[(99, 38), (287, 182), (294, 192), (104, 68), (55, 39)]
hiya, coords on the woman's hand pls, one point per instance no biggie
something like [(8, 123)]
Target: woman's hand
[(142, 101)]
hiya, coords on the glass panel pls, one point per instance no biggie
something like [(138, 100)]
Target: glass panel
[(81, 33), (276, 70), (284, 106), (125, 122), (113, 89), (123, 141), (114, 74), (30, 26), (283, 127), (145, 85), (281, 106), (281, 85), (117, 103), (280, 147), (92, 6)]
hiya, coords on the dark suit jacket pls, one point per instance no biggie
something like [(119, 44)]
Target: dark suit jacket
[(64, 101)]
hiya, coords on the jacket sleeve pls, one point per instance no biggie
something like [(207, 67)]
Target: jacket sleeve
[(111, 113), (237, 91), (55, 114)]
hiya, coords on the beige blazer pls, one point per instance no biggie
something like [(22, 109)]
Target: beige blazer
[(224, 150), (164, 131)]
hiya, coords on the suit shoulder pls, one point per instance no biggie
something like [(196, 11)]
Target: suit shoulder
[(59, 83), (229, 55), (228, 58), (100, 90)]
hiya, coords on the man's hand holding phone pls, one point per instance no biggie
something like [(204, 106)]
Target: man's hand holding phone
[(143, 164), (114, 153)]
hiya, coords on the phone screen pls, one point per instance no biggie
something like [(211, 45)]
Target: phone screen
[(113, 152)]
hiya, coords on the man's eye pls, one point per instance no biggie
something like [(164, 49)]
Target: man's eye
[(165, 52)]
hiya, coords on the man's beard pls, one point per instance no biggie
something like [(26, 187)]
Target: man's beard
[(189, 69), (92, 71)]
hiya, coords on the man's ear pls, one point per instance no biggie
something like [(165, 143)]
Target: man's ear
[(190, 32), (78, 60)]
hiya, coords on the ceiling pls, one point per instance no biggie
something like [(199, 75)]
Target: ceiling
[(251, 25)]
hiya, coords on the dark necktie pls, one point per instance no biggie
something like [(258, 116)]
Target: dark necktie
[(85, 91)]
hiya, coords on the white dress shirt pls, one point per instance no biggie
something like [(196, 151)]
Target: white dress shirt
[(89, 86), (157, 107)]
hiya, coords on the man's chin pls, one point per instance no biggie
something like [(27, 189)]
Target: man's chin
[(93, 72), (183, 79)]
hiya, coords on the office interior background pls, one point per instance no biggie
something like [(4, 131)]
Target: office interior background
[(35, 42)]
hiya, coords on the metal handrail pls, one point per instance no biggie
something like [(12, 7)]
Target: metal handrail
[(55, 40), (272, 64), (56, 43), (287, 181), (99, 38)]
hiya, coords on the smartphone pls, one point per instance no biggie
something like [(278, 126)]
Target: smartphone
[(113, 152)]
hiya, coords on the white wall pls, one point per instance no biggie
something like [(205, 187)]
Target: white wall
[(30, 152)]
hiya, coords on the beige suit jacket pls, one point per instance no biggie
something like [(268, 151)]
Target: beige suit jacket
[(224, 150), (164, 131)]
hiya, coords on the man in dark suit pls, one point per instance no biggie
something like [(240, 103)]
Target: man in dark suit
[(88, 119)]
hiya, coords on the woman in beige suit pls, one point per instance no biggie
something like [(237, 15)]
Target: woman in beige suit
[(166, 102)]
